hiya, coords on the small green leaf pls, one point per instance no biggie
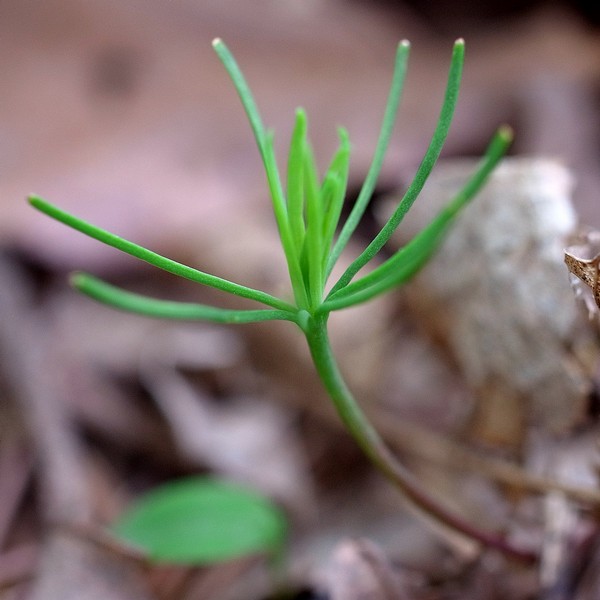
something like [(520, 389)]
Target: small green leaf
[(295, 183), (314, 228), (331, 199), (333, 203), (203, 520), (280, 211)]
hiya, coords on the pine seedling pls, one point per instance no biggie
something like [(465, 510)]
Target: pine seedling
[(308, 216)]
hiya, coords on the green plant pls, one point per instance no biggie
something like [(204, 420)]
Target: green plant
[(203, 520), (307, 213)]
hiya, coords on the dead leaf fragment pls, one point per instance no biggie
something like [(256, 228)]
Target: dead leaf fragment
[(359, 570), (582, 260)]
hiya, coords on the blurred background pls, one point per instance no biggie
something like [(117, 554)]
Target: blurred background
[(120, 112), (98, 100)]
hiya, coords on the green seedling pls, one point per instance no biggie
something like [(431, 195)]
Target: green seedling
[(307, 213), (202, 521)]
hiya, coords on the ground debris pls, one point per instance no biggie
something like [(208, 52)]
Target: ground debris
[(359, 570), (498, 296), (134, 126)]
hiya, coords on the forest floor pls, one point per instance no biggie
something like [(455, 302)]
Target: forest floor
[(120, 113)]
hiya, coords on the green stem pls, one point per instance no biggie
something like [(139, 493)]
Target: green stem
[(377, 451)]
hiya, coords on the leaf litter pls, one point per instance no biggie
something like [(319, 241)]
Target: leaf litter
[(126, 443)]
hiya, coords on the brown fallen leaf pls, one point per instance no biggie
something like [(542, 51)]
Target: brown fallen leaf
[(583, 260)]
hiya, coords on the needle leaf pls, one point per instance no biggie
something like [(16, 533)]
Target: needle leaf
[(425, 168), (407, 261), (385, 134), (164, 309), (155, 259)]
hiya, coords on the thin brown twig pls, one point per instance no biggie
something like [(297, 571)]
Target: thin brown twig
[(424, 444), (443, 451)]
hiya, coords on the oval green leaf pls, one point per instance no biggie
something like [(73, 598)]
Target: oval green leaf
[(203, 520)]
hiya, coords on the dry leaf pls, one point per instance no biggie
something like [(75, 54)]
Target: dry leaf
[(359, 570), (582, 260), (498, 296)]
